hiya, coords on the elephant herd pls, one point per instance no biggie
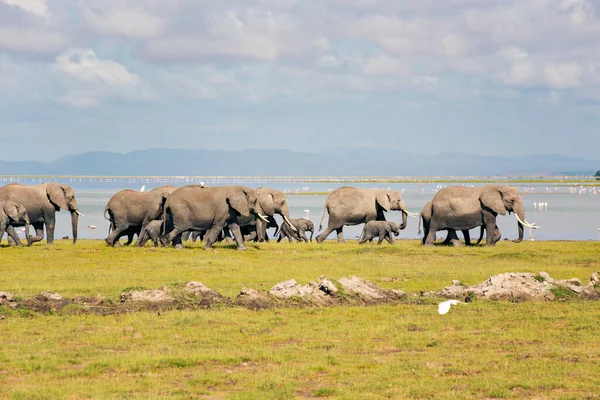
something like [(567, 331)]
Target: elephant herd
[(169, 215)]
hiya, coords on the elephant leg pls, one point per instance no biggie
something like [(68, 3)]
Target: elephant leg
[(340, 235), (10, 230), (467, 237), (390, 239), (12, 234), (113, 238), (237, 235), (211, 236), (490, 227), (39, 232), (365, 237), (331, 226), (430, 238), (185, 236), (168, 239), (302, 234), (380, 240), (451, 238)]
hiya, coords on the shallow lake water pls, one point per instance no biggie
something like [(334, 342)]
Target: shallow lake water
[(572, 212)]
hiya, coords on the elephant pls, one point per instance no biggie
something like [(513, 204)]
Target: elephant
[(250, 232), (425, 218), (195, 208), (272, 202), (302, 225), (185, 236), (42, 202), (11, 213), (129, 211), (381, 229), (461, 208), (152, 231), (351, 206)]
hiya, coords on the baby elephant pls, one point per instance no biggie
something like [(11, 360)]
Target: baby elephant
[(13, 214), (302, 224), (381, 229), (152, 231)]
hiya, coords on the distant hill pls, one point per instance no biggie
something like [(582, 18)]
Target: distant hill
[(332, 162)]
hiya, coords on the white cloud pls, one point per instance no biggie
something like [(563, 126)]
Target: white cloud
[(522, 70), (17, 39), (564, 75), (385, 65), (37, 7), (85, 65), (130, 23)]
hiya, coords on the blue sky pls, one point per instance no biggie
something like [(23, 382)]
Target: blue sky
[(478, 76)]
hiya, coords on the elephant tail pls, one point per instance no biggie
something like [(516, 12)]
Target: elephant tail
[(420, 219), (323, 216), (111, 226)]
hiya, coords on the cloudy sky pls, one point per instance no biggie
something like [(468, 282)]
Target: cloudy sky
[(489, 77)]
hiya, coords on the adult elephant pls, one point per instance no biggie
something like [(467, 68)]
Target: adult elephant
[(42, 202), (129, 211), (425, 220), (195, 208), (272, 202), (461, 208), (12, 213), (351, 206)]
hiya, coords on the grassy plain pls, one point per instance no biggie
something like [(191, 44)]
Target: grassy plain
[(482, 350)]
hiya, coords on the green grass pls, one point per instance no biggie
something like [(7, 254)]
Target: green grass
[(480, 350)]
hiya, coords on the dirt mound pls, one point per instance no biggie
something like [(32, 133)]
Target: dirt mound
[(325, 292), (521, 286)]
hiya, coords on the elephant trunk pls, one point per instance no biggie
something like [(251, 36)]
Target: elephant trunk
[(27, 234), (74, 223), (404, 218), (521, 214)]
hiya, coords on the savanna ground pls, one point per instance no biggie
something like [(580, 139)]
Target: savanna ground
[(481, 350)]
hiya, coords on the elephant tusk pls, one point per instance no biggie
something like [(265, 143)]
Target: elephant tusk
[(263, 218), (527, 224), (411, 215), (80, 214), (290, 224)]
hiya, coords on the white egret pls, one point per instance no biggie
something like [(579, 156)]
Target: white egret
[(444, 306), (143, 188)]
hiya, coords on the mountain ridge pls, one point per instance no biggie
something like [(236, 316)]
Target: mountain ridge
[(340, 161)]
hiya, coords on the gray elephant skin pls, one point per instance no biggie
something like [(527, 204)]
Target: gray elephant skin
[(302, 225), (152, 231), (271, 202), (129, 211), (452, 238), (12, 213), (41, 202), (381, 229), (351, 206), (461, 208), (196, 208)]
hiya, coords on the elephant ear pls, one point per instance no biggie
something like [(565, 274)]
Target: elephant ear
[(12, 210), (267, 203), (56, 194), (384, 201), (240, 204), (492, 199)]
